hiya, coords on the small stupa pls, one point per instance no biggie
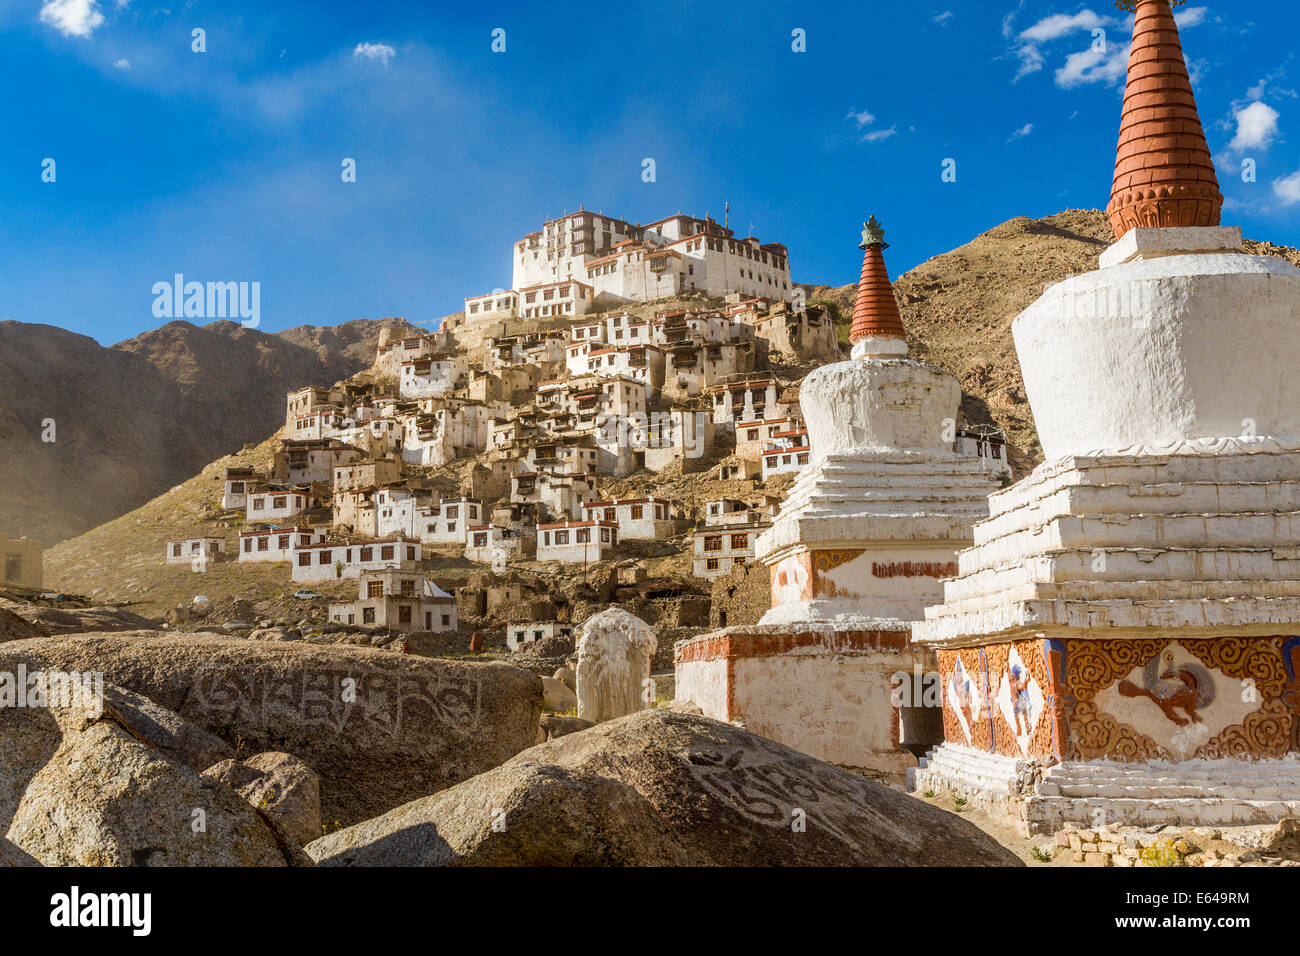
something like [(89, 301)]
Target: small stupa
[(1121, 644), (863, 540)]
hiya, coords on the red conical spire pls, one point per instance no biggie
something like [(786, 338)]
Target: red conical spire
[(1164, 175), (875, 312)]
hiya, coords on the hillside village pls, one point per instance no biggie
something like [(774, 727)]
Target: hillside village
[(565, 407)]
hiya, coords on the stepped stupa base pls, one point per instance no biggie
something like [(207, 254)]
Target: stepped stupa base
[(1039, 799), (1124, 639)]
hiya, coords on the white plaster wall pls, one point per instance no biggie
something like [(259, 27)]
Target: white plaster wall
[(833, 707), (879, 404), (705, 683), (1155, 351)]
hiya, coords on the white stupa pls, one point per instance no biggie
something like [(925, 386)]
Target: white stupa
[(862, 543), (1123, 638)]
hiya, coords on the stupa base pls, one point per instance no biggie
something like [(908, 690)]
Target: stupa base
[(1039, 799), (824, 691)]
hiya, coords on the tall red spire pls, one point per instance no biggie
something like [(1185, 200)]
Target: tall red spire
[(875, 312), (1164, 175)]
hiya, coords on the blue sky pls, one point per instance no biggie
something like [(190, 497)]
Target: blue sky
[(225, 165)]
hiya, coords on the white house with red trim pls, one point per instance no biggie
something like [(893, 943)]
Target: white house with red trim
[(328, 562), (638, 519), (276, 544), (786, 453)]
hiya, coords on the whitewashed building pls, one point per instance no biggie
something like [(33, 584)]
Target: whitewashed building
[(271, 505), (519, 633), (433, 375), (495, 545), (275, 544), (189, 550), (328, 562), (786, 453), (576, 542), (638, 519)]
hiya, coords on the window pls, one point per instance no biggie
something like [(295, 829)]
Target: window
[(637, 512), (263, 544), (259, 504), (584, 535), (282, 542), (752, 434), (304, 560), (604, 535), (452, 511), (248, 545), (404, 614), (367, 615), (408, 589), (410, 553), (386, 553), (739, 541), (374, 589), (324, 557), (278, 502), (609, 514), (446, 620), (561, 537), (713, 543), (367, 554), (711, 564)]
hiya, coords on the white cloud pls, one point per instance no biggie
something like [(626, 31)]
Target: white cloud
[(1106, 59), (122, 64), (1061, 24), (1288, 189), (374, 51), (1109, 66), (1046, 30), (876, 135), (1256, 127), (943, 18), (72, 18), (1022, 132), (862, 118)]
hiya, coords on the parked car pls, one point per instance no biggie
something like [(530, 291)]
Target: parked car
[(306, 594)]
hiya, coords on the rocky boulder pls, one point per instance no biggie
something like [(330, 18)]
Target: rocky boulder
[(558, 698), (83, 620), (707, 793), (555, 725), (16, 628), (165, 731), (521, 814), (108, 799), (379, 728), (281, 786)]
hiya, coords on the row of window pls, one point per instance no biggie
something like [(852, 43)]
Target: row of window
[(739, 542)]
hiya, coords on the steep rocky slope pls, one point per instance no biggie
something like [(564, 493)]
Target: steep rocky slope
[(132, 420)]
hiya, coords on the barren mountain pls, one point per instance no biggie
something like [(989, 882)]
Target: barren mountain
[(130, 421)]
